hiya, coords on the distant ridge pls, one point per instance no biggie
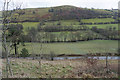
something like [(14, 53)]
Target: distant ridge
[(64, 12)]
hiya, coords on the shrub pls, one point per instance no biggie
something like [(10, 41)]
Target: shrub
[(91, 62), (86, 76), (24, 53), (59, 23), (52, 55)]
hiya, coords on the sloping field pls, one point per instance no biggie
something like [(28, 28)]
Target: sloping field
[(97, 20)]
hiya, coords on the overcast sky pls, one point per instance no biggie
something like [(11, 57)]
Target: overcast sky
[(101, 4)]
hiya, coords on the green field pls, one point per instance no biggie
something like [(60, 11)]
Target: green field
[(83, 47), (104, 26), (73, 23), (97, 20), (64, 22), (27, 25), (38, 12)]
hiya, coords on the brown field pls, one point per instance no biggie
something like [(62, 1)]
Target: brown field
[(79, 68)]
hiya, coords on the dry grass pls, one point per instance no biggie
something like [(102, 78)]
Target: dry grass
[(78, 68), (98, 69), (0, 68)]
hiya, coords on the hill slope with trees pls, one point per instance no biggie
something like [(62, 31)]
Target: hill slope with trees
[(65, 12)]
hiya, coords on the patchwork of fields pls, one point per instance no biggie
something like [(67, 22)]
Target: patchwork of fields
[(84, 47), (73, 23), (60, 30)]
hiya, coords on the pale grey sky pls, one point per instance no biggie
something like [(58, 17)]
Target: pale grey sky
[(101, 4)]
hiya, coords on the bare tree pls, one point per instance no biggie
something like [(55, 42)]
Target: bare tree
[(7, 46)]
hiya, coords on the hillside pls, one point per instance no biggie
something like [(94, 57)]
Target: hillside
[(58, 13)]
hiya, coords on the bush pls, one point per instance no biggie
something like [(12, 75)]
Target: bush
[(59, 23), (91, 62), (52, 55), (24, 53)]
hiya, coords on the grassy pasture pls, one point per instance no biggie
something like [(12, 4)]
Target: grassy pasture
[(31, 13), (97, 20), (40, 11), (27, 25), (64, 22), (104, 26), (102, 11), (83, 47), (74, 23)]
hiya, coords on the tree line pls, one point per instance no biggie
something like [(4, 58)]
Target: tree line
[(115, 22)]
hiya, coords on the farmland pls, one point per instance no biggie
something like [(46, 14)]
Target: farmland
[(84, 47), (72, 35), (97, 20), (73, 23), (61, 30), (104, 26)]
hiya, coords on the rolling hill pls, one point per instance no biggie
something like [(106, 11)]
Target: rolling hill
[(65, 12)]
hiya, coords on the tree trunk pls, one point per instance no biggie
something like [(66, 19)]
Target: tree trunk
[(15, 48)]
